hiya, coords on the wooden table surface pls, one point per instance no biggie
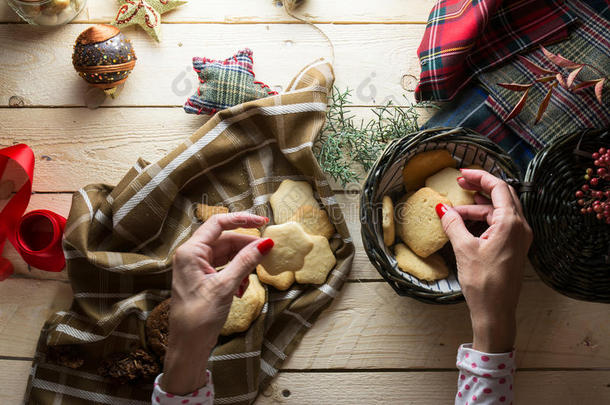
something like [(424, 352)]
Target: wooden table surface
[(370, 346)]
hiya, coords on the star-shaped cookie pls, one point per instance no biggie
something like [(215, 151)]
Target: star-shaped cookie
[(145, 13)]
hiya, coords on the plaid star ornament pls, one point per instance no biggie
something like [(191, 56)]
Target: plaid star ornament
[(145, 13), (225, 83)]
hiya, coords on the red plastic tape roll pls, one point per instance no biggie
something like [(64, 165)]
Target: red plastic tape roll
[(37, 235)]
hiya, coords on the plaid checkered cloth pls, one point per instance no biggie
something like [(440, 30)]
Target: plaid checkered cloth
[(567, 111), (225, 83), (469, 109), (466, 37), (119, 243)]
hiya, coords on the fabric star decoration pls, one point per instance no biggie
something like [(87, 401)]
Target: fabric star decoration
[(145, 13), (225, 83)]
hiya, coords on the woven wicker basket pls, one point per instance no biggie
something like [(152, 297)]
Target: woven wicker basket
[(571, 251), (385, 178)]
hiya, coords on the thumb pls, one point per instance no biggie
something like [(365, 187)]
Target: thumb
[(453, 224), (245, 261)]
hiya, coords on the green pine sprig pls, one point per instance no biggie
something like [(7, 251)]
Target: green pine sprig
[(347, 147)]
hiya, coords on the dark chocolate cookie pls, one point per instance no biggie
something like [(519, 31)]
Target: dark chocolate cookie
[(157, 329)]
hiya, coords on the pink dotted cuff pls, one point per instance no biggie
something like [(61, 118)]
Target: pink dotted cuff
[(484, 378), (489, 365), (202, 396)]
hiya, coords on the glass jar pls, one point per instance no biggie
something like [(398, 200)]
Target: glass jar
[(47, 12)]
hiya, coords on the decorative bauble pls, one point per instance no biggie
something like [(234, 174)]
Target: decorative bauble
[(103, 56)]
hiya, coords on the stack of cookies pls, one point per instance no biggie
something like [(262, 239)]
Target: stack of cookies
[(301, 231), (411, 227)]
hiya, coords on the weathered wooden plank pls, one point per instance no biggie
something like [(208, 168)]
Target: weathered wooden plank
[(266, 11), (36, 61), (421, 388), (77, 146), (378, 329), (401, 387), (24, 306), (13, 380), (368, 326)]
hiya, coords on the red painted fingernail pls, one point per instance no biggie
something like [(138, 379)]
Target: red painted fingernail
[(266, 220), (458, 179), (441, 209), (265, 246)]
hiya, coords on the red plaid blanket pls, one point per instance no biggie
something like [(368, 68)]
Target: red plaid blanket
[(466, 37)]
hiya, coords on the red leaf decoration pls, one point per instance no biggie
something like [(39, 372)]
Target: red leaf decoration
[(559, 60), (573, 75), (546, 79), (519, 106), (545, 103), (586, 84), (561, 81), (598, 90), (516, 86), (535, 69)]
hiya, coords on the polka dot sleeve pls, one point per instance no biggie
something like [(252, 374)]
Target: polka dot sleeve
[(202, 396), (485, 378)]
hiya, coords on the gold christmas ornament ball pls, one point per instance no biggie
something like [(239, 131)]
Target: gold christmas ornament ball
[(103, 56)]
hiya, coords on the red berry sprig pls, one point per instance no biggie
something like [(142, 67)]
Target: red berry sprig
[(594, 195)]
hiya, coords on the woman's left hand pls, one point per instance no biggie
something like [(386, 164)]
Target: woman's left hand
[(202, 297)]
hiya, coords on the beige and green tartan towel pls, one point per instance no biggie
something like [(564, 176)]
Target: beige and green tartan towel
[(119, 243)]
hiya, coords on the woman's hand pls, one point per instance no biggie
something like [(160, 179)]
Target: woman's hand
[(490, 267), (202, 297)]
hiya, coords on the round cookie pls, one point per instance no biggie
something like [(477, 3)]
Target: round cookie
[(387, 221), (423, 165), (246, 309), (157, 328)]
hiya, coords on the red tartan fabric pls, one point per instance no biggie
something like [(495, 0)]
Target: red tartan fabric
[(466, 37)]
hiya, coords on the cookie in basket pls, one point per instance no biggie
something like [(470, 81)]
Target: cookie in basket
[(387, 221), (445, 183), (419, 226), (431, 268), (423, 165), (289, 197)]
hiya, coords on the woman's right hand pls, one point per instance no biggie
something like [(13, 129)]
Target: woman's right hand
[(490, 267)]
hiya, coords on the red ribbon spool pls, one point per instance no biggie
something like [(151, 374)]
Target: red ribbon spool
[(37, 236)]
